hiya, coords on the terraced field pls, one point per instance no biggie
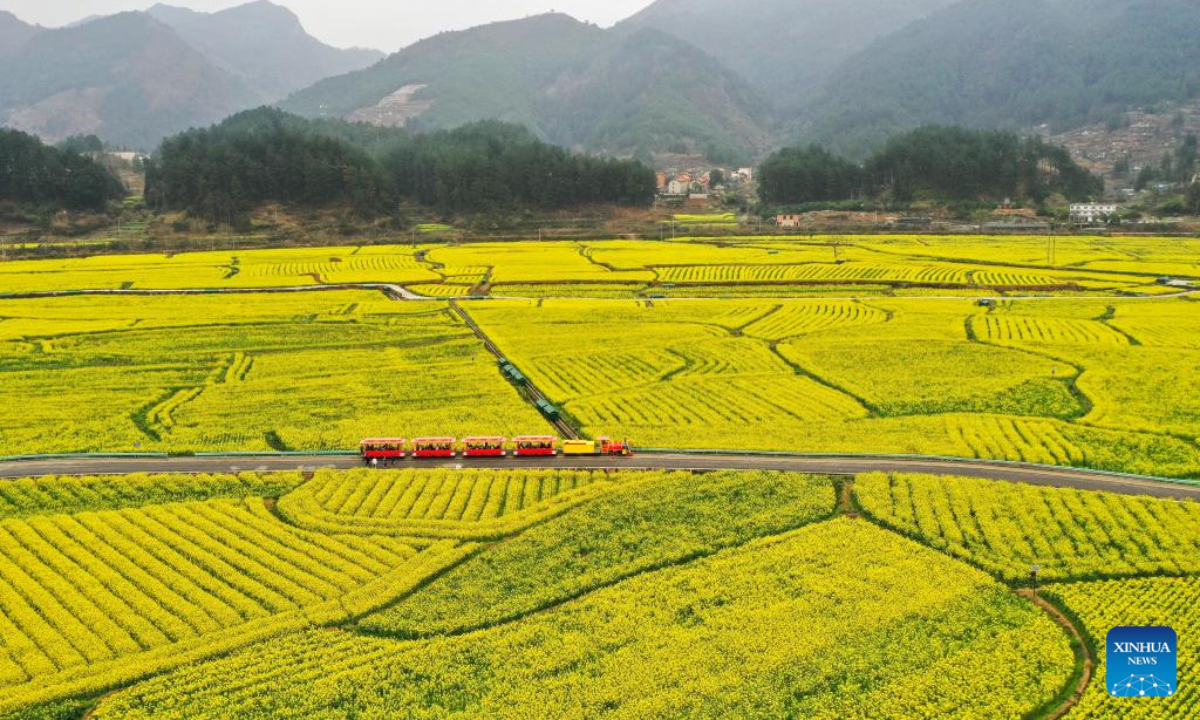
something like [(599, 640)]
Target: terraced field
[(1008, 529), (472, 505), (737, 583), (1057, 381), (94, 597), (549, 593), (177, 374), (873, 265), (204, 596), (1145, 602)]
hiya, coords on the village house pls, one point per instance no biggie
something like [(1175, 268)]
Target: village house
[(789, 221), (1093, 212)]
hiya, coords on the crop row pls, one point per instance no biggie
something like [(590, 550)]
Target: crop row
[(1045, 330), (1013, 438), (803, 318), (481, 505), (815, 272), (91, 680), (468, 496), (73, 494), (741, 633), (653, 519), (1010, 529), (83, 589), (1171, 602), (713, 407)]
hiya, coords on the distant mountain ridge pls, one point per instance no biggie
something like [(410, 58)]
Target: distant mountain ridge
[(127, 78), (786, 48), (1012, 64), (263, 44), (729, 81), (572, 83), (134, 78), (14, 33)]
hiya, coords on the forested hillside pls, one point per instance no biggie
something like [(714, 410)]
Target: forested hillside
[(267, 155), (31, 172), (263, 44), (1012, 64), (136, 77), (942, 164), (786, 48), (14, 33), (570, 83), (127, 78)]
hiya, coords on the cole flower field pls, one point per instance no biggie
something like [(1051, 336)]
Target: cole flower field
[(780, 347), (655, 594), (446, 592)]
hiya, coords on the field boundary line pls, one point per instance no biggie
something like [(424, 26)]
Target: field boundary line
[(919, 458), (694, 556), (531, 391), (1085, 659)]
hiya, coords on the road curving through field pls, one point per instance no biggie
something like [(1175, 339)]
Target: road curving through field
[(696, 461)]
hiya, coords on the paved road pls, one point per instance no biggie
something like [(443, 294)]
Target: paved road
[(400, 292), (396, 291), (1052, 477)]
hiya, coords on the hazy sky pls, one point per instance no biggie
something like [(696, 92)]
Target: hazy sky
[(372, 23)]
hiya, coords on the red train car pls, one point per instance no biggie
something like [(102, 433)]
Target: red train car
[(434, 448), (382, 449), (484, 447), (534, 446)]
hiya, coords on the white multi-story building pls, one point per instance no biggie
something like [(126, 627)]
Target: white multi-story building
[(1092, 212)]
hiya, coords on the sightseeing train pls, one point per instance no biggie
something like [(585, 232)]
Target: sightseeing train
[(386, 450)]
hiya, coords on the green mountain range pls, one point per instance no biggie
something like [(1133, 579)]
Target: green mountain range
[(1012, 64), (569, 82), (728, 81), (14, 33), (786, 48), (264, 45), (134, 78)]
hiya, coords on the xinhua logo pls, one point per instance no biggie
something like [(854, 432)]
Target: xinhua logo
[(1141, 661)]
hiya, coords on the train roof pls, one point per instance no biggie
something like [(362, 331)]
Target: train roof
[(382, 441)]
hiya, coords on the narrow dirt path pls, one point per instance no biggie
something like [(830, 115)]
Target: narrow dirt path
[(846, 501), (1083, 652), (530, 391)]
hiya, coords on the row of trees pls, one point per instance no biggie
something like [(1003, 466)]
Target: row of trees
[(931, 163), (31, 172), (267, 155)]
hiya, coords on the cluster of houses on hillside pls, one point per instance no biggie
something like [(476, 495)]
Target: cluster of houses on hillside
[(696, 185)]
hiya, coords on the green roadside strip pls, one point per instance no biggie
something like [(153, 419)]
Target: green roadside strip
[(86, 456), (921, 458)]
